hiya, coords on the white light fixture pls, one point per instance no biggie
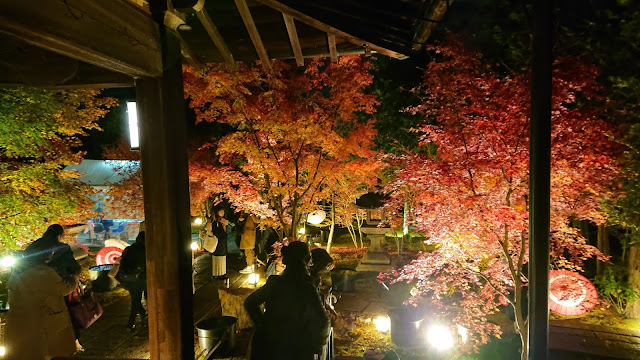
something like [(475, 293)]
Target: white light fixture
[(3, 351), (132, 114), (440, 337), (316, 217), (198, 221), (194, 246), (8, 261), (383, 323), (253, 279)]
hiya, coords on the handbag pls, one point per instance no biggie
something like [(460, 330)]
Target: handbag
[(210, 240), (84, 308)]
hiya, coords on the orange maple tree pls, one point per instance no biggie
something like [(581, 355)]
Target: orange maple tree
[(297, 134)]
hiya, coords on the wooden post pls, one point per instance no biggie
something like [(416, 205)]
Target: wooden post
[(536, 342), (163, 146)]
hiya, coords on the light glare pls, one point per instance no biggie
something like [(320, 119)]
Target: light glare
[(440, 337), (132, 114), (8, 261), (198, 221), (383, 323), (253, 279), (302, 231), (194, 246), (3, 351)]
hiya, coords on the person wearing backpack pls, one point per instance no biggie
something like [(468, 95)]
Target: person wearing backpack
[(133, 277)]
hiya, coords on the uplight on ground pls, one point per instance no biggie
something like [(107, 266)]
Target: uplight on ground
[(383, 323), (440, 337)]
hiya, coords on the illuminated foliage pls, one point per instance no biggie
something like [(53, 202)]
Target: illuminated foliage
[(39, 133), (296, 134), (471, 197)]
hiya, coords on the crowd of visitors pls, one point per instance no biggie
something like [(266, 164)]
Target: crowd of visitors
[(41, 286)]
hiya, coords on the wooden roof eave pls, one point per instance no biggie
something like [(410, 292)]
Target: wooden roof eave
[(112, 34)]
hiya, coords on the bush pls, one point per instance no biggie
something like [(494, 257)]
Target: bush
[(614, 287)]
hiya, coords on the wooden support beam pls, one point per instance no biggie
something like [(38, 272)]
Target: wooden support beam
[(112, 34), (187, 53), (254, 34), (434, 13), (332, 47), (293, 37), (537, 344), (277, 5), (214, 34), (163, 150)]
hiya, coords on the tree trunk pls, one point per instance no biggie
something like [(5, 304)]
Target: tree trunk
[(603, 245), (352, 233), (633, 309), (520, 321), (333, 225), (360, 220)]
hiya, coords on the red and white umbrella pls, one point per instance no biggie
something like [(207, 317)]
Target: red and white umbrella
[(108, 255), (116, 243), (570, 293)]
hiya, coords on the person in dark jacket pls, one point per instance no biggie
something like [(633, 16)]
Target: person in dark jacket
[(133, 277), (294, 325)]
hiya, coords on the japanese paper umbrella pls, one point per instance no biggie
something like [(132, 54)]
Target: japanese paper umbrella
[(108, 255), (570, 293), (116, 243)]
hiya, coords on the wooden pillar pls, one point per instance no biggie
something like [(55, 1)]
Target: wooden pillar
[(163, 146), (539, 180)]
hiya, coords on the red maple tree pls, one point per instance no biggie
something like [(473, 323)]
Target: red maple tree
[(471, 196), (296, 134)]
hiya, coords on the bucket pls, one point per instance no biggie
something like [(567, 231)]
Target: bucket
[(406, 326), (100, 280), (344, 280), (211, 330)]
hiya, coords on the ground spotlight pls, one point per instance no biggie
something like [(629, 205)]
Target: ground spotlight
[(440, 337), (383, 323)]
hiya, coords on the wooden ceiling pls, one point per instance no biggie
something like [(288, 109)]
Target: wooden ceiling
[(59, 43)]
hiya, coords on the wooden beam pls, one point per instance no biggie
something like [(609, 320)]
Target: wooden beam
[(112, 34), (214, 34), (163, 150), (187, 53), (434, 13), (277, 5), (293, 37), (332, 47), (254, 34)]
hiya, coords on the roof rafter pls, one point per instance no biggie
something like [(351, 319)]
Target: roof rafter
[(293, 37), (254, 34), (214, 34), (275, 4)]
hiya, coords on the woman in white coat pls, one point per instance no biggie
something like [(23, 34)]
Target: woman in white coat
[(38, 323)]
